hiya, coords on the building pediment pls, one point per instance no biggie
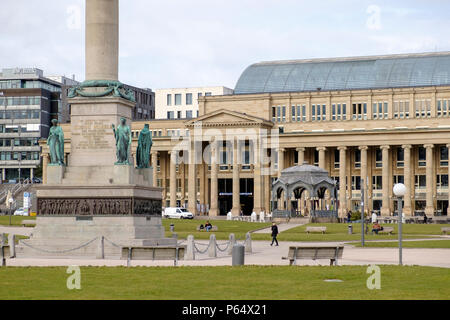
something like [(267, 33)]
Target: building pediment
[(226, 118)]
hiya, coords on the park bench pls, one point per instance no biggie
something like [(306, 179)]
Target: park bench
[(316, 229), (153, 253), (445, 230), (213, 228), (314, 253), (388, 230), (28, 222)]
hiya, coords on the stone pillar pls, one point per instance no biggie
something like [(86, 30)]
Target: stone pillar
[(154, 166), (342, 183), (173, 179), (102, 39), (31, 174), (192, 181), (321, 157), (407, 177), (280, 160), (3, 174), (448, 208), (364, 177), (214, 208), (301, 155), (429, 209), (44, 167), (385, 208), (257, 179), (236, 210)]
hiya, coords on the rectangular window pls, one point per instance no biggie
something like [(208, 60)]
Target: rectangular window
[(420, 181), (178, 99), (208, 94), (377, 182), (324, 112), (188, 98), (333, 112), (336, 158), (278, 114), (178, 114), (283, 114), (313, 112), (399, 179), (170, 114), (357, 158), (274, 114), (169, 99), (378, 158), (443, 151), (400, 157), (199, 95), (189, 114), (356, 182), (293, 113), (422, 153), (442, 181)]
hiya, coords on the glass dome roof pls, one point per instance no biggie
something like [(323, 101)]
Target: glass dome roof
[(373, 72)]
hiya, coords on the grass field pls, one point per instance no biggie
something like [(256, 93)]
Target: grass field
[(15, 220), (432, 244), (226, 283)]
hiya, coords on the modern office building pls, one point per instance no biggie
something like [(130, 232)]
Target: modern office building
[(182, 103), (28, 102), (369, 121), (145, 103)]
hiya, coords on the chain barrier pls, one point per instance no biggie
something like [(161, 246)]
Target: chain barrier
[(200, 251), (56, 251), (115, 245), (226, 248)]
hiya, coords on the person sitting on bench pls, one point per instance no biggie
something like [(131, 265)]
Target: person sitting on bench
[(376, 227), (208, 226), (201, 227)]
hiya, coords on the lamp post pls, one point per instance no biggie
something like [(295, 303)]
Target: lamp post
[(11, 201), (400, 191)]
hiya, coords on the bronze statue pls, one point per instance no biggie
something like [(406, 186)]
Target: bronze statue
[(143, 149), (123, 142), (55, 143)]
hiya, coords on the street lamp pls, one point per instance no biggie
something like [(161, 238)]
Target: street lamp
[(11, 201), (400, 191)]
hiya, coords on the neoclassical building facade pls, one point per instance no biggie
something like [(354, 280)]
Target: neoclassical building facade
[(369, 121)]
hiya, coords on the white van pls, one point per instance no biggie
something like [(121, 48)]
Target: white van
[(177, 213)]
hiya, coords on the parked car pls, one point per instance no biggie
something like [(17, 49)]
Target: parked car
[(20, 212), (177, 213), (37, 180)]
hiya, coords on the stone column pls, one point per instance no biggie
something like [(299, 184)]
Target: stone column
[(342, 183), (448, 168), (301, 155), (429, 209), (44, 167), (385, 208), (102, 39), (3, 174), (280, 160), (407, 177), (257, 179), (214, 208), (236, 210), (154, 166), (364, 176), (173, 179), (192, 179), (321, 157), (31, 173)]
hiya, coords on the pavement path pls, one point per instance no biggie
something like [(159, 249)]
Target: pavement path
[(264, 254), (281, 227), (23, 231)]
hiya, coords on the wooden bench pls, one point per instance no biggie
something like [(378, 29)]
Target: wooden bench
[(388, 230), (316, 229), (153, 253), (314, 253), (28, 222), (213, 228), (445, 230)]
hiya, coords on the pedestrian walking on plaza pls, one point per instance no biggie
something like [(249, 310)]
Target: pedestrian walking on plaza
[(274, 233)]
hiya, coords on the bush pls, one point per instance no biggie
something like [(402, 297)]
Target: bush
[(356, 215)]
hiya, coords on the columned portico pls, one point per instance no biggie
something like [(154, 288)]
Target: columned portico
[(429, 209), (342, 183), (385, 208), (214, 206), (407, 178)]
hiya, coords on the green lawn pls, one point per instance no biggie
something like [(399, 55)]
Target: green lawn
[(15, 220), (187, 227), (443, 244), (339, 232), (226, 283)]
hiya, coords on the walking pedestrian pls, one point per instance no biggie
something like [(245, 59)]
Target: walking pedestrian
[(274, 233)]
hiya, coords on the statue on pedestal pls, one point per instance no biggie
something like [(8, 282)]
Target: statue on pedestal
[(55, 143), (143, 149), (123, 142)]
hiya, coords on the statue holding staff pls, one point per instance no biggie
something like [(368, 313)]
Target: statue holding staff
[(123, 142), (143, 149), (55, 143)]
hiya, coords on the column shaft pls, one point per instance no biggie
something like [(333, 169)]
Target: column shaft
[(364, 176), (236, 210), (342, 182), (301, 156), (407, 178), (173, 179), (214, 209), (385, 208), (192, 190), (429, 209), (321, 157), (154, 167)]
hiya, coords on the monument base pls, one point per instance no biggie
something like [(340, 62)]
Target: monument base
[(91, 236)]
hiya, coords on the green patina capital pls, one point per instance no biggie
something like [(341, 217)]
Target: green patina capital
[(112, 88)]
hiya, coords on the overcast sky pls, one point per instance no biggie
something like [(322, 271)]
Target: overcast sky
[(186, 43)]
